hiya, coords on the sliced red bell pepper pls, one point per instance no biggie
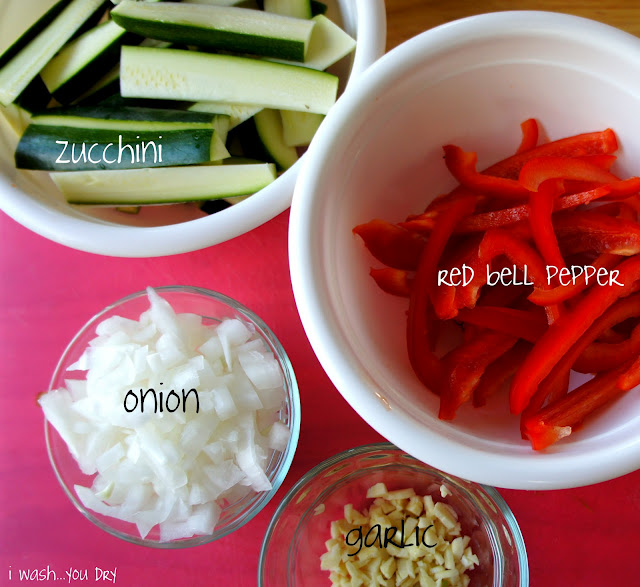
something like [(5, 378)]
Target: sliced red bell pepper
[(603, 356), (592, 230), (566, 331), (396, 282), (498, 373), (536, 171), (530, 134), (525, 324), (558, 419), (624, 188), (465, 366), (593, 143), (541, 205), (507, 216), (462, 166), (390, 244), (602, 161), (554, 383), (561, 293), (630, 378), (420, 341)]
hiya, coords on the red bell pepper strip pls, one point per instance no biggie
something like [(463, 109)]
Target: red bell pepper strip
[(554, 383), (630, 378), (420, 340), (624, 188), (524, 324), (603, 356), (561, 293), (530, 134), (497, 374), (594, 143), (541, 204), (566, 331), (396, 282), (536, 171), (592, 230), (462, 166), (390, 244), (558, 419), (522, 255), (465, 366), (500, 218), (602, 161)]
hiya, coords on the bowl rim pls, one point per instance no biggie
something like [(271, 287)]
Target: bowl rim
[(490, 492), (260, 500), (96, 236), (549, 470)]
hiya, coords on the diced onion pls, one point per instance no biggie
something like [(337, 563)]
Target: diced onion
[(171, 469)]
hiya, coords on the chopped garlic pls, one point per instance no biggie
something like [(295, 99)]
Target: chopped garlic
[(402, 540)]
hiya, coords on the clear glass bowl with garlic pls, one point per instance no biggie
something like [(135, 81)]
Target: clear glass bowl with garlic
[(374, 515)]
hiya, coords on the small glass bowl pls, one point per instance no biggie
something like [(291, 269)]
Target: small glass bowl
[(296, 537), (212, 307)]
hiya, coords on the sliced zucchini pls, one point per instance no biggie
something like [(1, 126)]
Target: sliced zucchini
[(106, 87), (298, 128), (294, 8), (269, 129), (137, 187), (33, 31), (187, 75), (120, 117), (82, 62), (234, 29), (261, 138), (329, 43), (54, 148), (27, 62), (35, 96), (237, 113)]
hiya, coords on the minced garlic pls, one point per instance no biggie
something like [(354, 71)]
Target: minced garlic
[(402, 540)]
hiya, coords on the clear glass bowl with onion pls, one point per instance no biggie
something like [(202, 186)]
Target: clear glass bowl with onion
[(193, 465), (295, 540)]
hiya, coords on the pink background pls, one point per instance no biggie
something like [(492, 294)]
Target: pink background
[(585, 536)]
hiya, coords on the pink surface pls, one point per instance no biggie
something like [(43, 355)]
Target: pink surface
[(586, 536)]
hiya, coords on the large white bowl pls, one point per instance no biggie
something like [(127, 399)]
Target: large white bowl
[(379, 155), (34, 201)]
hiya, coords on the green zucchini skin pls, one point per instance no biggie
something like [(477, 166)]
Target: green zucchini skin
[(91, 73), (35, 96), (193, 33), (130, 113), (318, 8), (33, 31), (42, 147)]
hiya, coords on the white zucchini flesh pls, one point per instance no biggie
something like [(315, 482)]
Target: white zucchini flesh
[(194, 77), (74, 56), (329, 43), (231, 28), (298, 128), (269, 129), (16, 75), (237, 113), (162, 185), (294, 8)]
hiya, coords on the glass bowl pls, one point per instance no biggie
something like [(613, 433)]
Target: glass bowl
[(296, 537), (212, 307)]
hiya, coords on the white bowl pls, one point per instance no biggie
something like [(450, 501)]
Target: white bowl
[(470, 83), (33, 200)]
